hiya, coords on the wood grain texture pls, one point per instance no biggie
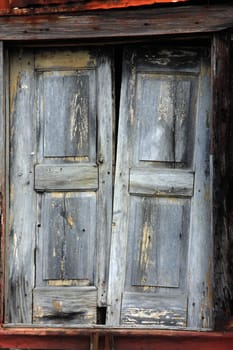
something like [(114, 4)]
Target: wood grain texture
[(64, 251), (105, 146), (74, 232), (161, 182), (117, 24), (21, 222), (221, 137), (126, 339), (153, 229), (2, 176), (166, 95), (148, 228), (65, 305), (164, 110), (70, 96), (156, 244), (121, 199), (155, 310), (68, 239), (66, 177), (90, 5), (200, 273)]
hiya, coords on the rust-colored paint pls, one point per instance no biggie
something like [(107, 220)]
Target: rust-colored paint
[(81, 5), (117, 339)]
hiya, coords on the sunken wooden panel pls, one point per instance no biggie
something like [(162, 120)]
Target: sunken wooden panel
[(155, 310), (164, 108), (158, 235), (61, 305), (68, 238), (71, 109)]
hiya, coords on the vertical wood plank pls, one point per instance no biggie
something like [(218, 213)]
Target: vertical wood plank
[(105, 116), (121, 198), (20, 279), (200, 273), (2, 177), (222, 145)]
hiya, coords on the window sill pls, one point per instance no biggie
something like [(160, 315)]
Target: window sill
[(101, 338)]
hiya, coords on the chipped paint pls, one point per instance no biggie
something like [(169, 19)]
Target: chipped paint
[(39, 312), (146, 246), (57, 305), (47, 59), (152, 317), (68, 283), (70, 221)]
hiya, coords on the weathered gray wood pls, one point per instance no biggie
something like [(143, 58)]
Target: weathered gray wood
[(156, 231), (118, 24), (75, 182), (222, 165), (155, 310), (166, 95), (67, 105), (2, 169), (163, 108), (169, 60), (121, 199), (65, 305), (68, 238), (200, 270), (67, 126), (161, 182), (21, 219), (66, 177), (2, 119), (105, 115), (79, 228), (157, 236)]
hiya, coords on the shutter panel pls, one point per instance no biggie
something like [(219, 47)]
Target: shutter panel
[(161, 171), (71, 127)]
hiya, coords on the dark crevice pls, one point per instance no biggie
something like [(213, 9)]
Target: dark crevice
[(101, 315)]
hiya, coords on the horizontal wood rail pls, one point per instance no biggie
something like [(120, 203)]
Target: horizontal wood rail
[(115, 24), (105, 338)]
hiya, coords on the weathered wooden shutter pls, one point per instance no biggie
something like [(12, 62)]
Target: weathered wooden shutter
[(160, 263), (59, 216)]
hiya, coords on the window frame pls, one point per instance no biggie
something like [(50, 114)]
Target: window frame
[(35, 29)]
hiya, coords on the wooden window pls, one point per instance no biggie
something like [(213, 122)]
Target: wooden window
[(68, 261)]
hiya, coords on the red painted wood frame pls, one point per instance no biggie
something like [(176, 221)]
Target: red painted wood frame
[(12, 32), (83, 5)]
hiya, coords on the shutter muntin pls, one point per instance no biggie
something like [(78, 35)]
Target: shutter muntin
[(154, 187)]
